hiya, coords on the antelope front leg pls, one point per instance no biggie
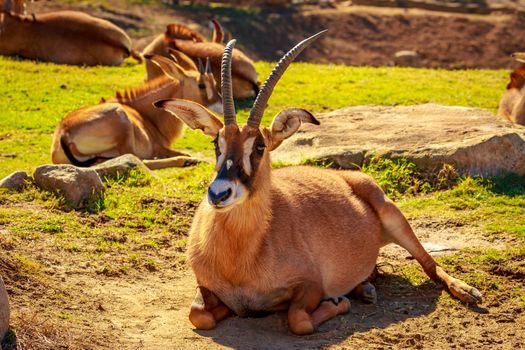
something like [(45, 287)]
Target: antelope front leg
[(308, 311), (207, 309)]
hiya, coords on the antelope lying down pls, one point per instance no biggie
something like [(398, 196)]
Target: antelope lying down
[(130, 123), (65, 37), (296, 238), (193, 44), (512, 104)]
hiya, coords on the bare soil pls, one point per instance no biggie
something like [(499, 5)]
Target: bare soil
[(72, 304), (358, 35)]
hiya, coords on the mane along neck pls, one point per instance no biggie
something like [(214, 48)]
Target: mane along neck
[(233, 240), (142, 98)]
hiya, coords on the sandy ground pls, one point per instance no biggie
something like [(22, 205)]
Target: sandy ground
[(149, 310)]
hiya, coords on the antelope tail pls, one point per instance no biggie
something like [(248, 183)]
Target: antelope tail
[(73, 160)]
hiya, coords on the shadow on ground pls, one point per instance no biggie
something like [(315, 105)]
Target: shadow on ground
[(398, 300)]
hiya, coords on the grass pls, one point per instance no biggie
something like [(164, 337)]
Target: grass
[(140, 226), (31, 109)]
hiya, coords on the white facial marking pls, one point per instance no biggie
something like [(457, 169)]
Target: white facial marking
[(248, 148), (222, 150), (239, 193), (229, 164)]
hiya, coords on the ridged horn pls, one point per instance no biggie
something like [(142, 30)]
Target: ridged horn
[(226, 84), (261, 101)]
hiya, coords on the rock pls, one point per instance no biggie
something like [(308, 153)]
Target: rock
[(4, 310), (120, 166), (16, 181), (430, 135), (407, 59), (79, 186)]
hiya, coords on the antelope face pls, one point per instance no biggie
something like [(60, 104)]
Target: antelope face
[(242, 152), (239, 153), (196, 83)]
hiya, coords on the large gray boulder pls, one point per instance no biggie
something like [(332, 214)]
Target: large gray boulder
[(120, 166), (430, 135), (5, 312), (16, 181), (79, 186)]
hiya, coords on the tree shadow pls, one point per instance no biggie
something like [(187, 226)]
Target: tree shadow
[(398, 300)]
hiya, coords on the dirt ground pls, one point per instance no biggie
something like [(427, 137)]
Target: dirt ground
[(358, 35), (72, 305)]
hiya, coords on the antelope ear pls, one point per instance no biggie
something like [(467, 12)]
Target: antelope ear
[(193, 114), (169, 67), (286, 123), (183, 60)]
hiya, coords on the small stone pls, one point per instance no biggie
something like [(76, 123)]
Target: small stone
[(407, 58), (5, 311), (79, 186), (16, 181), (120, 166)]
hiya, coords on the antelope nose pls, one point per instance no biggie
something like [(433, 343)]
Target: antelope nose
[(217, 198)]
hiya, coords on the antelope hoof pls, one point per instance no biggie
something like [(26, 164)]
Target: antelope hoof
[(365, 292), (369, 294), (191, 162), (465, 293)]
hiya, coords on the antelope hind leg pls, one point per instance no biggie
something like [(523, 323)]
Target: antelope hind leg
[(207, 309), (366, 292), (397, 229)]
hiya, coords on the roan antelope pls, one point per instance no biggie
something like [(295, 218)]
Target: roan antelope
[(64, 37), (129, 123), (296, 238), (512, 104), (193, 44)]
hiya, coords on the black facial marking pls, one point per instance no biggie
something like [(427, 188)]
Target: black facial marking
[(257, 152), (217, 150)]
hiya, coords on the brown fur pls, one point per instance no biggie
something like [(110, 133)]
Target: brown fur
[(243, 69), (512, 104), (65, 37), (129, 123), (299, 236)]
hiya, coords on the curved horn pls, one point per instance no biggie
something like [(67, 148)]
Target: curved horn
[(226, 84), (218, 34), (259, 106)]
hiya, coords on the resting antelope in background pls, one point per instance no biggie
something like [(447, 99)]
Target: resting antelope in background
[(193, 44), (512, 104), (296, 238), (129, 123), (64, 37)]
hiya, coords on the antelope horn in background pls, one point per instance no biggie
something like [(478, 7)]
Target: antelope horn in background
[(519, 56), (218, 34), (201, 66), (226, 84), (208, 66), (261, 101)]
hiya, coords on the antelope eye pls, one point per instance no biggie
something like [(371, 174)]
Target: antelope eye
[(202, 86), (260, 148)]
